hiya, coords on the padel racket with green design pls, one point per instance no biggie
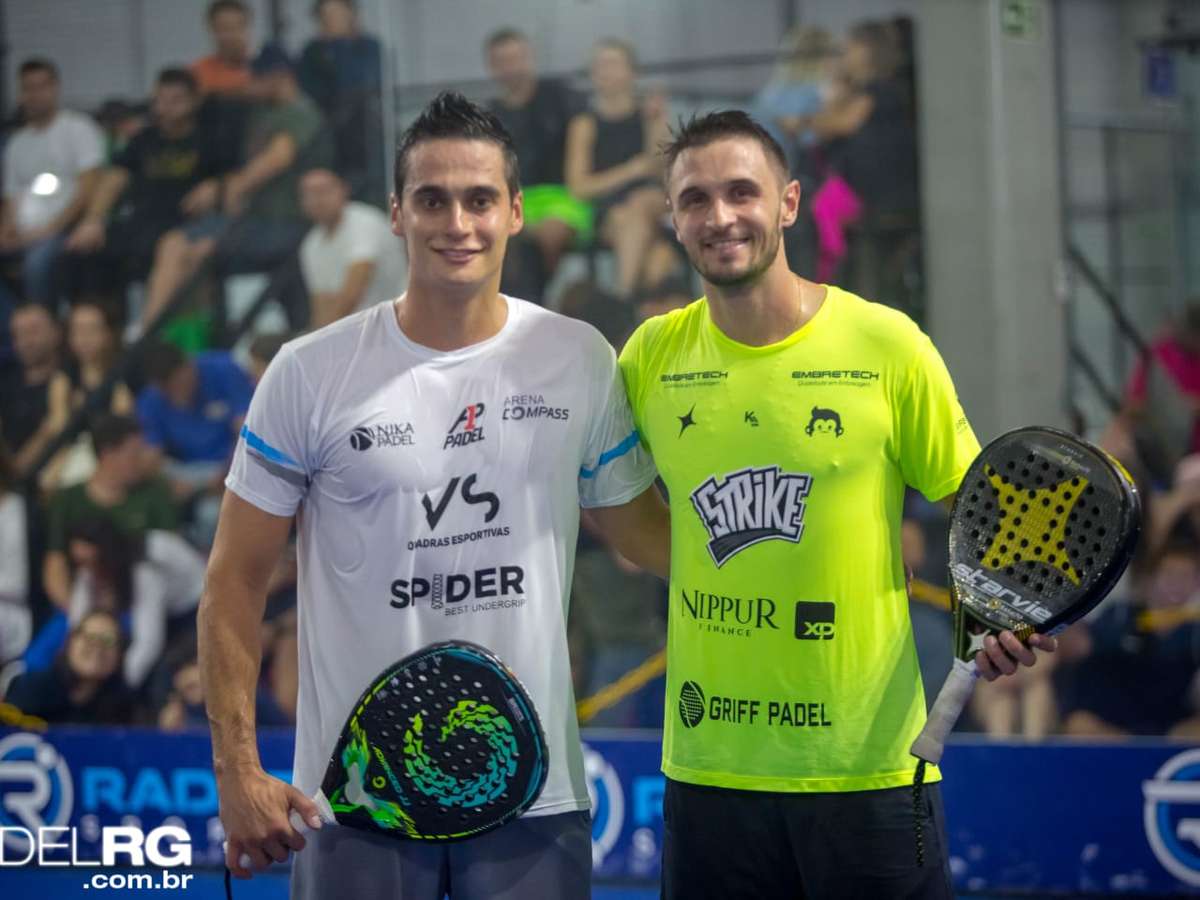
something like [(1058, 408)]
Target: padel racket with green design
[(444, 745), (1042, 527)]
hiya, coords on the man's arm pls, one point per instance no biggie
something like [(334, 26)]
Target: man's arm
[(273, 160), (334, 305), (254, 806), (89, 233), (639, 530)]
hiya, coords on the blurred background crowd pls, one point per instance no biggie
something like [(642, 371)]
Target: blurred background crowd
[(157, 251)]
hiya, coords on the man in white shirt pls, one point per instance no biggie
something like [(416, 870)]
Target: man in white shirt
[(444, 440), (350, 259), (50, 168)]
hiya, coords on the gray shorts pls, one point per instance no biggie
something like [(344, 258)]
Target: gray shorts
[(538, 856)]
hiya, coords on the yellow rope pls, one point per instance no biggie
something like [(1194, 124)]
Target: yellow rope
[(614, 693)]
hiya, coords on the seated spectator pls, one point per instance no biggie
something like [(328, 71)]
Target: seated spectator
[(613, 161), (796, 91), (166, 174), (342, 70), (536, 111), (50, 170), (1140, 676), (261, 223), (226, 71), (84, 685), (25, 424), (16, 620), (118, 492), (262, 350), (94, 346), (191, 410), (1160, 417), (350, 259), (870, 131), (184, 707)]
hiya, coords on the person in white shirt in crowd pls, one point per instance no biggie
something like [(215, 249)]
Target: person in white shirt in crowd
[(453, 430), (51, 165), (350, 259), (16, 622)]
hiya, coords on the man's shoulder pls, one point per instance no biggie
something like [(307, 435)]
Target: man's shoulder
[(888, 329), (364, 215), (670, 328), (558, 330)]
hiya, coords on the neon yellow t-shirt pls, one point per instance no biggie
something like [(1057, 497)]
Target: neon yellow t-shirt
[(791, 664)]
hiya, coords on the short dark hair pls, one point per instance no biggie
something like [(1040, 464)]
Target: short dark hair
[(503, 36), (160, 360), (450, 115), (612, 43), (700, 131), (219, 6), (110, 431), (180, 77), (38, 64)]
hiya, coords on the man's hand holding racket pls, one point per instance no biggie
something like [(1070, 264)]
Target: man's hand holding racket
[(1002, 654), (264, 818)]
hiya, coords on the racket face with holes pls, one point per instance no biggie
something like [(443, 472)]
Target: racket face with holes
[(1042, 527), (444, 745)]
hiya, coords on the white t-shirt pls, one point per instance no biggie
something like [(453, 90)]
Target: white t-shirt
[(362, 235), (441, 495), (42, 166)]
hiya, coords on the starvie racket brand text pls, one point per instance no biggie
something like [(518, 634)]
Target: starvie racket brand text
[(976, 578)]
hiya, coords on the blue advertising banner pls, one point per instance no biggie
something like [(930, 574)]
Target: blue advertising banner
[(1052, 817)]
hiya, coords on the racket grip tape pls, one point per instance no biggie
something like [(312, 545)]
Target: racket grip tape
[(297, 822), (948, 706)]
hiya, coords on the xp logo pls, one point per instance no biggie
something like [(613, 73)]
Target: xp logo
[(433, 514), (395, 434), (814, 621), (1172, 815), (608, 803), (691, 704), (35, 789), (467, 428), (749, 506)]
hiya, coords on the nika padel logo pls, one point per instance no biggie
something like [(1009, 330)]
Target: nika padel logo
[(36, 799)]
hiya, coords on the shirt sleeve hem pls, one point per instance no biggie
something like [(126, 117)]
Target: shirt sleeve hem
[(624, 496), (253, 497)]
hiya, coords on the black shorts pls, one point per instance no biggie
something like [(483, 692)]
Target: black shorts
[(728, 844)]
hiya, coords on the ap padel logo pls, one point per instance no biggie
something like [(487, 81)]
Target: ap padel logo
[(467, 428), (749, 506), (1172, 815), (35, 790), (691, 704)]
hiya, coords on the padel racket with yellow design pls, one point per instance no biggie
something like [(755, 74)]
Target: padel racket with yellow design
[(443, 746), (1042, 528)]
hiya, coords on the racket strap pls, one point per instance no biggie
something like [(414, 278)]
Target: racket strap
[(918, 791)]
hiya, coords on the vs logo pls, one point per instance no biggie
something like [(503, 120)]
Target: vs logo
[(433, 514)]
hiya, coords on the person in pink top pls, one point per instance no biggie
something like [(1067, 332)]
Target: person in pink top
[(1175, 355)]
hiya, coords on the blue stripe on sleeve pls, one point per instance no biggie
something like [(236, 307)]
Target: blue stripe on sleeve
[(254, 442), (609, 455)]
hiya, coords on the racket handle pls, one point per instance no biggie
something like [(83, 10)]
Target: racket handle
[(948, 706), (297, 822)]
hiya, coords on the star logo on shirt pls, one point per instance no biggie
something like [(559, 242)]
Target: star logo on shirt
[(686, 421)]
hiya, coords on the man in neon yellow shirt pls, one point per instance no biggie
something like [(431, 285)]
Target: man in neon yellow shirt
[(786, 418)]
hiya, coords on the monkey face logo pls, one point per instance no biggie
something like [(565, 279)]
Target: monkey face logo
[(824, 421)]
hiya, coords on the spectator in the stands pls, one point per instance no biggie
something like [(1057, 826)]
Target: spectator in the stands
[(84, 686), (16, 620), (167, 173), (536, 111), (24, 395), (1141, 675), (85, 379), (118, 492), (613, 161), (50, 168), (184, 707), (227, 69), (260, 224), (342, 70), (350, 259)]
